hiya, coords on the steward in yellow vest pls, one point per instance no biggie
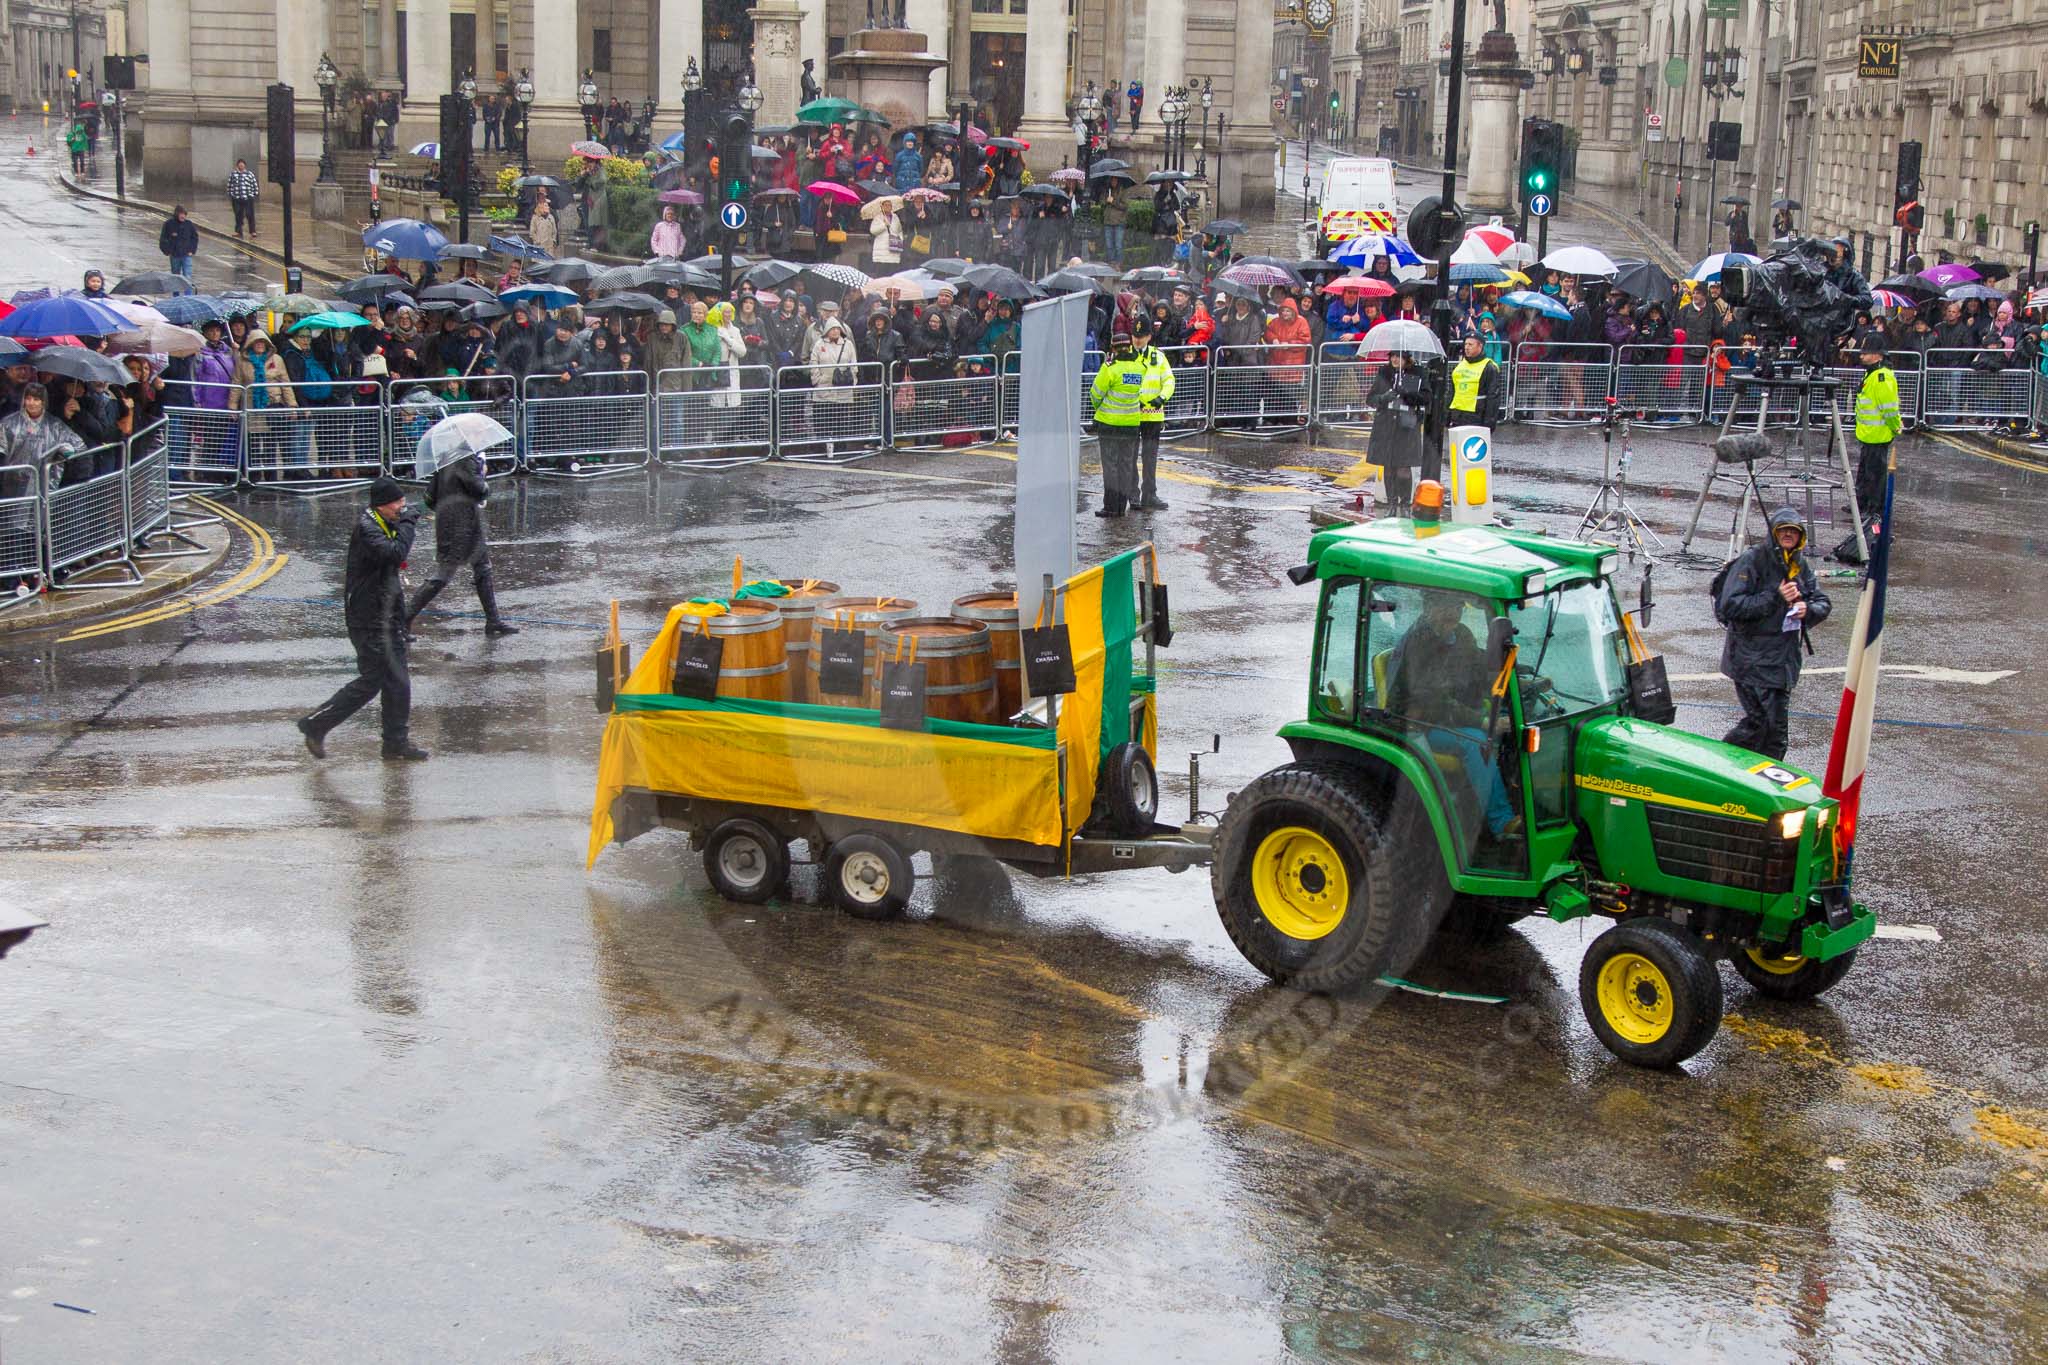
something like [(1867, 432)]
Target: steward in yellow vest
[(1475, 387)]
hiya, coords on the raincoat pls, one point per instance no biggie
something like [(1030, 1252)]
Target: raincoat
[(1758, 650), (908, 168), (213, 370)]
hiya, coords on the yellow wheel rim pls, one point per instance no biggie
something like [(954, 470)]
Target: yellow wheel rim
[(1776, 966), (1634, 998), (1299, 883)]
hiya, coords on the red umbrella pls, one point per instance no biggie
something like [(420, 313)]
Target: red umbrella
[(1362, 285), (832, 189)]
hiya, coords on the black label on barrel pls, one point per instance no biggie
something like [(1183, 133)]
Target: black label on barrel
[(903, 696), (698, 658), (841, 656), (1048, 661)]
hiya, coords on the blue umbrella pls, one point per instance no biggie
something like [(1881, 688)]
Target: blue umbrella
[(1537, 303), (30, 295), (428, 149), (518, 246), (553, 295), (64, 316), (1477, 273), (675, 142), (189, 310), (1359, 250), (1711, 267), (408, 239)]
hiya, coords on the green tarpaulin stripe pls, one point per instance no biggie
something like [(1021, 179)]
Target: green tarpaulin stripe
[(837, 715)]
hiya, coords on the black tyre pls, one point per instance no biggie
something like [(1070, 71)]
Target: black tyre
[(746, 861), (1789, 977), (1127, 791), (868, 877), (1305, 880), (1651, 993)]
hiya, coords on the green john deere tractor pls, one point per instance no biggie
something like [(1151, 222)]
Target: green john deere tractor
[(1471, 756)]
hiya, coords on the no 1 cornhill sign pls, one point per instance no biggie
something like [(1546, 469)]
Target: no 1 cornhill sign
[(1877, 56)]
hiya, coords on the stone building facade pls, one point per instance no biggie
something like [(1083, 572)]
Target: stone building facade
[(41, 40)]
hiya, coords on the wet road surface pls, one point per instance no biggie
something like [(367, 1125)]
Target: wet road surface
[(354, 1061)]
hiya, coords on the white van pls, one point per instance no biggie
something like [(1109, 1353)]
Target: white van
[(1358, 197)]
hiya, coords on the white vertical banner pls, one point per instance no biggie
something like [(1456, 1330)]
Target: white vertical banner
[(1048, 445)]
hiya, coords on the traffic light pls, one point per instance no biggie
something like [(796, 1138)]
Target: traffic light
[(281, 120), (736, 156), (1333, 103), (970, 166), (1542, 156), (1907, 210)]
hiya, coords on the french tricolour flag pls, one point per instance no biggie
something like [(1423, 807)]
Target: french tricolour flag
[(1849, 752)]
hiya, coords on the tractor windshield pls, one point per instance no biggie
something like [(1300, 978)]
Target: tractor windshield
[(1571, 653)]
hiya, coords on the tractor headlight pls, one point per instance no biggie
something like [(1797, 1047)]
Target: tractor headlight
[(1791, 823), (1820, 817)]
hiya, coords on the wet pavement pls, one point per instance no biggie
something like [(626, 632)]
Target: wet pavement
[(354, 1061)]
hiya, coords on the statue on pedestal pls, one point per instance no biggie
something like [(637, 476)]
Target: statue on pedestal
[(809, 83)]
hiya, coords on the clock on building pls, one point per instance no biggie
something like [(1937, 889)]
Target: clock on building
[(1319, 15)]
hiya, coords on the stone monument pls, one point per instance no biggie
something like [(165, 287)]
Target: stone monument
[(1493, 89), (777, 64), (888, 70)]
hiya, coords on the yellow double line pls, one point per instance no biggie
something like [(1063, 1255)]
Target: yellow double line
[(1992, 455), (264, 563)]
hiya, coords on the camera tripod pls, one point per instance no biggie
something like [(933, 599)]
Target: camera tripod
[(1801, 477), (1611, 519)]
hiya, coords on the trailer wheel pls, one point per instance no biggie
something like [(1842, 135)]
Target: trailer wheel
[(1650, 991), (868, 877), (746, 861), (1129, 791), (1791, 976), (1303, 880)]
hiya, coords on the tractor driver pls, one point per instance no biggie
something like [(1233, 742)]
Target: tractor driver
[(1438, 678)]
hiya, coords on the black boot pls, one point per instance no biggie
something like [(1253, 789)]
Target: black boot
[(406, 750), (316, 740), (487, 595)]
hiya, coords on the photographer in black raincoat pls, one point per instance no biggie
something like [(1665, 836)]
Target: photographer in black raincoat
[(373, 597), (1403, 403), (456, 496), (1768, 599)]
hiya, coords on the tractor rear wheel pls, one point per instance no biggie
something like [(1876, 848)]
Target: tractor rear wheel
[(1650, 991), (1790, 976), (1304, 879)]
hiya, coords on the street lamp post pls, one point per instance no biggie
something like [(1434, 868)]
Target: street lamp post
[(462, 161), (1720, 74), (748, 99), (586, 96), (1202, 138), (1308, 104), (522, 91), (327, 78), (1091, 114)]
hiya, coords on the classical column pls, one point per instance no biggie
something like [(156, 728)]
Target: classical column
[(1166, 55), (387, 44), (167, 150), (811, 42), (485, 62), (1245, 169), (933, 18), (681, 38), (1045, 124), (301, 33), (427, 55), (554, 51)]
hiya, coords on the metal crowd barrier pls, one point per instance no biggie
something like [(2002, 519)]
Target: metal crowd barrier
[(1343, 381), (1261, 390), (595, 425), (205, 444), (956, 409), (1012, 390), (1560, 382), (831, 415), (310, 437), (717, 426), (1957, 394), (85, 516), (1187, 412), (21, 530), (1664, 386), (411, 406)]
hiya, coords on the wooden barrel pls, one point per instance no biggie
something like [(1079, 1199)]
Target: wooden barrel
[(798, 610), (755, 663), (997, 609), (868, 615), (960, 682)]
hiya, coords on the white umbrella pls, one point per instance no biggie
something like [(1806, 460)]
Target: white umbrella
[(1518, 255), (152, 332), (1579, 260), (1473, 251), (457, 438), (912, 285), (1400, 334)]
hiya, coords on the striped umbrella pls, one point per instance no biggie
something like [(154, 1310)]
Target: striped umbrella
[(1362, 249), (845, 276), (1494, 239), (1892, 299)]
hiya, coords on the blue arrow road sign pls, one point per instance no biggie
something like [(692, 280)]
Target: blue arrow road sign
[(1540, 205), (734, 215)]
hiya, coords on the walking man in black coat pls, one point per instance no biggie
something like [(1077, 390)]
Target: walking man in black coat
[(456, 497), (374, 607), (1768, 601)]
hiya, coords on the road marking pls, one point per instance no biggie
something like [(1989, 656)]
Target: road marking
[(1911, 933), (1923, 672), (264, 564), (1992, 455)]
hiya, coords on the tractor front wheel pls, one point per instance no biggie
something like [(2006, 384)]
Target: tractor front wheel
[(1650, 992), (1789, 976)]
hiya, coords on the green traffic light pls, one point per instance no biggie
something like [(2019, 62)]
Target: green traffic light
[(1539, 181)]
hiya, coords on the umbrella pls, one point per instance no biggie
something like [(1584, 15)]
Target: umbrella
[(1042, 191), (460, 437), (11, 350), (462, 251), (1001, 281), (461, 291), (926, 192), (1579, 260), (430, 150), (1976, 291), (832, 189), (1892, 299), (75, 362), (776, 192), (328, 322), (1537, 303), (537, 182), (769, 274), (1517, 253), (1158, 274), (149, 330), (1942, 276), (881, 188), (1010, 144), (1125, 176), (1363, 248), (1068, 175), (553, 295), (680, 197), (1642, 280), (1494, 239), (1094, 270), (1991, 270), (484, 312), (875, 208), (910, 285), (948, 267), (1786, 204), (696, 274), (569, 270), (369, 288), (1259, 274), (517, 246), (393, 301), (1072, 282), (1474, 251), (240, 303), (22, 296), (1167, 177), (624, 277), (408, 239), (858, 116), (1401, 335), (1277, 262), (629, 302), (191, 310), (1364, 286), (1223, 227), (760, 153), (829, 110), (1105, 165), (595, 151), (1238, 289), (1478, 273), (154, 282), (1736, 199), (1909, 284), (1710, 267), (676, 142), (440, 306), (64, 315), (845, 276)]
